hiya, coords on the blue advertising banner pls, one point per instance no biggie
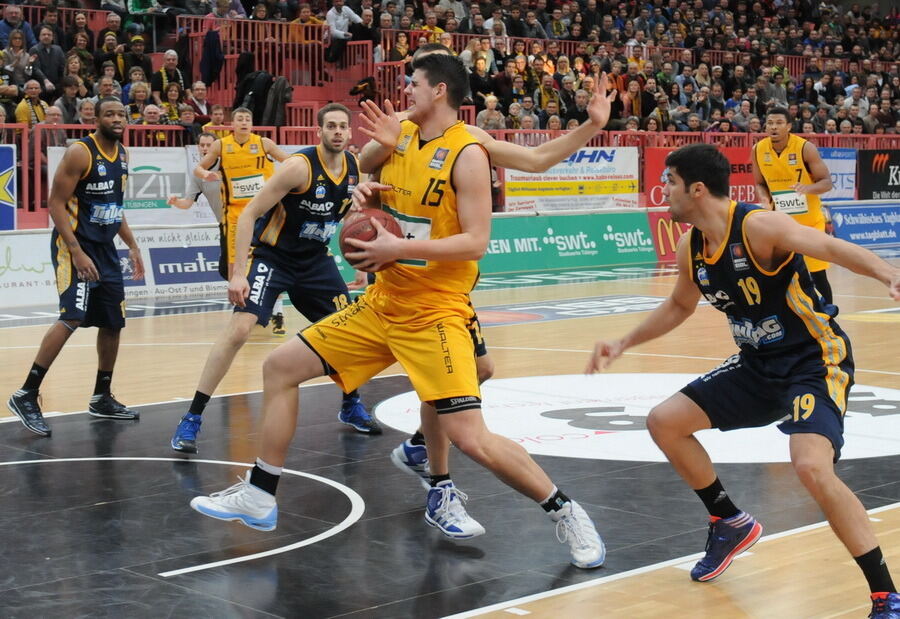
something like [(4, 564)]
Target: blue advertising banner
[(185, 265), (866, 223), (841, 162), (8, 187)]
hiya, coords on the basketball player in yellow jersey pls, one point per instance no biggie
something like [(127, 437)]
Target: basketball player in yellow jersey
[(791, 175), (246, 163), (415, 313)]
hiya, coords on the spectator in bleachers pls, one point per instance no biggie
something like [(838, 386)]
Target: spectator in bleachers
[(79, 25), (49, 135), (12, 20), (473, 48), (75, 68), (532, 28), (139, 94), (136, 74), (430, 26), (554, 123), (632, 99), (87, 112), (503, 83), (528, 122), (153, 115), (216, 119), (106, 86), (135, 57), (490, 118), (31, 109), (652, 124), (480, 84), (467, 25), (67, 103), (174, 99), (83, 52), (50, 60), (339, 18), (187, 121), (109, 70), (365, 30), (551, 109), (167, 74), (113, 22), (16, 59), (197, 100), (305, 16), (513, 116), (51, 20), (546, 93), (460, 9), (578, 111)]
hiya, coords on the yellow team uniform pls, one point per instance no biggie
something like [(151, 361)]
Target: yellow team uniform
[(244, 167), (219, 133), (417, 312), (782, 172)]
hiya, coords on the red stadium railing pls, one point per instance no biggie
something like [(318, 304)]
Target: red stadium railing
[(298, 136), (302, 114), (96, 20)]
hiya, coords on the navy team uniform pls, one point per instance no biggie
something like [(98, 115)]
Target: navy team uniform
[(95, 214), (290, 252), (794, 359)]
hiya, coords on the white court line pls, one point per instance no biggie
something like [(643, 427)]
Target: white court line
[(653, 354), (637, 571), (146, 344), (180, 399), (357, 507)]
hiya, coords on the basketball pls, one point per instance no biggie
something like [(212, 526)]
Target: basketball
[(359, 226)]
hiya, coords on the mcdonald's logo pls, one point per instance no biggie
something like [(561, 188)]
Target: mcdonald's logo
[(666, 238), (879, 162)]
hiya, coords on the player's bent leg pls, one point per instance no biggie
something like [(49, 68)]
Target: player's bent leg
[(220, 358), (672, 425), (252, 502), (812, 457), (24, 403)]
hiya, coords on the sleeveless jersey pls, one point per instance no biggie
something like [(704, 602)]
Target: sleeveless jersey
[(95, 209), (424, 203), (783, 172), (776, 317), (307, 217), (245, 167)]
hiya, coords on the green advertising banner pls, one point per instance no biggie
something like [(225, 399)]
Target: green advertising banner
[(539, 243)]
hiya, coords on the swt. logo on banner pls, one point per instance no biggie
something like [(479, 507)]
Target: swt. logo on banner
[(185, 265)]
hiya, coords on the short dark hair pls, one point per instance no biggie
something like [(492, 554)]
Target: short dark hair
[(331, 107), (99, 107), (241, 110), (702, 163), (449, 70), (206, 134), (779, 111)]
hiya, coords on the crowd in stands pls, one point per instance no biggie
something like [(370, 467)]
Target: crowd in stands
[(657, 55)]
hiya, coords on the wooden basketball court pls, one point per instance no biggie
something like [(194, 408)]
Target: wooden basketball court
[(109, 526)]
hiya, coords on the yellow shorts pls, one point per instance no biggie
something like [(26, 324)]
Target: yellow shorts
[(232, 214), (817, 221), (432, 343)]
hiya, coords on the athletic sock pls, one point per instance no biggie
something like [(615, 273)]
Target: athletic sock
[(198, 404), (555, 501), (716, 500), (351, 396), (265, 476), (35, 377), (278, 307), (417, 439), (436, 479), (876, 572), (104, 380)]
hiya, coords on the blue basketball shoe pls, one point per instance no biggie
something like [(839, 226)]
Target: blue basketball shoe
[(727, 539), (885, 606), (446, 512), (185, 437), (242, 502), (414, 460), (354, 414)]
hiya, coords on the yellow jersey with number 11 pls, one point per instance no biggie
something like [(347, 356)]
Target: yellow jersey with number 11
[(245, 167), (423, 201)]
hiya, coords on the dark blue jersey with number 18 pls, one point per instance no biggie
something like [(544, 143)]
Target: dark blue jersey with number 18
[(95, 208), (776, 317), (306, 218)]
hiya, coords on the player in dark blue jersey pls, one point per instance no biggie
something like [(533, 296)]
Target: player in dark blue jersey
[(794, 359), (86, 204), (295, 215)]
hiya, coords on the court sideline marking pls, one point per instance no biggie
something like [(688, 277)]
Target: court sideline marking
[(357, 506), (637, 571)]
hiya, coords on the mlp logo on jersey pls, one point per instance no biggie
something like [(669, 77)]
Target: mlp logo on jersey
[(739, 257), (703, 276), (101, 169), (320, 192), (792, 158), (404, 144), (440, 156)]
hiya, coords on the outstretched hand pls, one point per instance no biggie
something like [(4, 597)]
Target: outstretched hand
[(604, 353), (600, 106), (365, 195), (383, 127)]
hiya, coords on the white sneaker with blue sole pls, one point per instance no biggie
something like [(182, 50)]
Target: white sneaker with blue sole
[(446, 512), (242, 502)]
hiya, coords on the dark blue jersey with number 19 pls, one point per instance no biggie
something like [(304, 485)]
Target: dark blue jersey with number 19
[(306, 218), (776, 316)]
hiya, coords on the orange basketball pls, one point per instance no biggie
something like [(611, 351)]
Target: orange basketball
[(359, 226)]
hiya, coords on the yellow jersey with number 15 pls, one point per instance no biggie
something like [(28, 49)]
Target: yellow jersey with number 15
[(423, 201), (781, 172), (245, 167)]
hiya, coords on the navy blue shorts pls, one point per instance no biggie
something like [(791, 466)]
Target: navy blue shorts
[(313, 284), (93, 304), (738, 394)]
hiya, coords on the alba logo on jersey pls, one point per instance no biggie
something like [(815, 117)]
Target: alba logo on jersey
[(604, 417)]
